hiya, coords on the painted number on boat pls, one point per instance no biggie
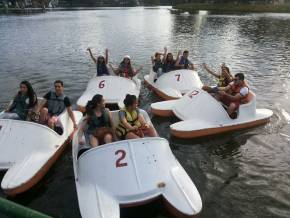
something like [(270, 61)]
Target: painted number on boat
[(193, 93), (122, 157), (177, 77), (102, 84)]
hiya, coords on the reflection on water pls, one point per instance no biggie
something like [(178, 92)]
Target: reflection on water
[(241, 174)]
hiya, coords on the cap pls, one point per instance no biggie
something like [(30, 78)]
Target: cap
[(127, 56)]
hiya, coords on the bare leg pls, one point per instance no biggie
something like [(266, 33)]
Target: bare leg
[(231, 109), (108, 138), (50, 123), (131, 135), (43, 115), (207, 88), (94, 141), (151, 132)]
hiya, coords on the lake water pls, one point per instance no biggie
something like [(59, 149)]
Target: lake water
[(241, 174)]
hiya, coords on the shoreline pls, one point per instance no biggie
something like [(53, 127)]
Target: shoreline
[(233, 8), (189, 7), (43, 10), (21, 10)]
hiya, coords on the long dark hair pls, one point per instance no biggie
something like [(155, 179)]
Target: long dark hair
[(122, 67), (129, 100), (92, 104), (101, 57), (166, 59), (30, 93)]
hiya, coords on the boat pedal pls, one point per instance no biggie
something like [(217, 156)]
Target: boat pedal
[(58, 130)]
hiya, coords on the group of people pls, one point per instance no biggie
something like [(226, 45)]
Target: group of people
[(125, 68), (99, 128), (98, 125), (161, 62), (230, 90), (167, 63), (26, 106)]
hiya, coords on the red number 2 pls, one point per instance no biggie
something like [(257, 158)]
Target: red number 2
[(193, 93), (122, 157), (178, 76), (102, 84)]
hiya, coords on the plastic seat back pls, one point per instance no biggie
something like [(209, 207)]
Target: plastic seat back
[(249, 109)]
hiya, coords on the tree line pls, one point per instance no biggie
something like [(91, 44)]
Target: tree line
[(126, 3)]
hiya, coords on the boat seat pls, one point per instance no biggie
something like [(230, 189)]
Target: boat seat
[(244, 106), (86, 146), (115, 117), (248, 109)]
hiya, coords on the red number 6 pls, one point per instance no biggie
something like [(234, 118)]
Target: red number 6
[(102, 84), (122, 157)]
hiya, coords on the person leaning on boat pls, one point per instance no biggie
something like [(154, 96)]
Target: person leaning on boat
[(183, 62), (101, 62), (22, 104), (224, 78), (131, 122), (53, 104), (98, 124), (125, 68), (236, 93)]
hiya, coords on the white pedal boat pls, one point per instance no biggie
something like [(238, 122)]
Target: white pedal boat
[(174, 84), (113, 88), (28, 150), (129, 173), (202, 115)]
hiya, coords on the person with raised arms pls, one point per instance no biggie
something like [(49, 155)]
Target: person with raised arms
[(224, 78), (157, 62), (98, 124), (132, 124), (23, 103), (54, 103), (101, 62), (125, 68), (183, 62), (168, 62)]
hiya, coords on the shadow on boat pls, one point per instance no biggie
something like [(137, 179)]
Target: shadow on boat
[(156, 208)]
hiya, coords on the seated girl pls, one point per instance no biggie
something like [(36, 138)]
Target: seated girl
[(98, 124), (132, 124), (224, 78), (157, 63), (23, 103), (125, 68), (101, 63), (168, 62)]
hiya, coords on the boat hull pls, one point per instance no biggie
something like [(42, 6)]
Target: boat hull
[(202, 115), (133, 172), (113, 88), (217, 130), (174, 84), (33, 150)]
